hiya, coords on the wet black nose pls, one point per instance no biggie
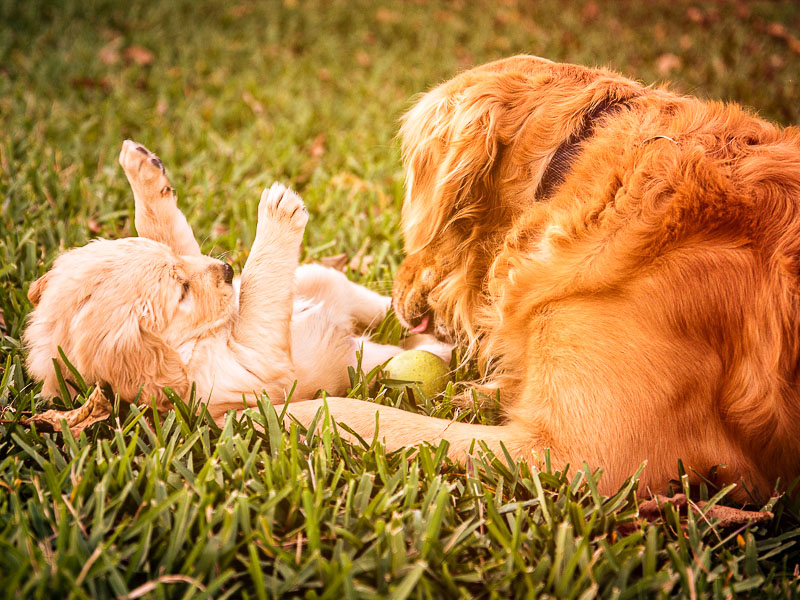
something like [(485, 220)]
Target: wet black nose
[(227, 272)]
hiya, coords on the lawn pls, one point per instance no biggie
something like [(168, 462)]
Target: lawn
[(234, 96)]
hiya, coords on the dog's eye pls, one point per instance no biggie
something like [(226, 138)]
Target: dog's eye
[(185, 290)]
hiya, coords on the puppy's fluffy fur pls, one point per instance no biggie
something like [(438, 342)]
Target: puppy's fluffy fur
[(645, 309), (149, 312)]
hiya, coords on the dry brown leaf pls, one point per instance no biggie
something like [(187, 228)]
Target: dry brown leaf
[(90, 83), (241, 10), (776, 29), (590, 12), (139, 55), (363, 58), (254, 104), (667, 62), (742, 10), (386, 15), (695, 14), (94, 226), (96, 408), (317, 148), (337, 261), (109, 54), (727, 516)]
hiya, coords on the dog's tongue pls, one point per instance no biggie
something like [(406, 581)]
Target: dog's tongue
[(423, 325)]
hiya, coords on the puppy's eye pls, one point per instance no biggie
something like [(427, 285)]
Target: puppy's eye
[(185, 290)]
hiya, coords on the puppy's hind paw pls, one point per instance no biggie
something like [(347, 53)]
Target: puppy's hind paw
[(145, 171), (281, 207)]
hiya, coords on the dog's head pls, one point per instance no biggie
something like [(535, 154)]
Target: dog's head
[(474, 150), (123, 311)]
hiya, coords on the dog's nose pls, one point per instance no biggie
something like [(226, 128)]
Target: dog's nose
[(227, 272)]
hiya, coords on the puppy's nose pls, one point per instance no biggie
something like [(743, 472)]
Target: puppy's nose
[(227, 272)]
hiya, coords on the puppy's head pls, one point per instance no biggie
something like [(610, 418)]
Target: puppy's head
[(121, 310)]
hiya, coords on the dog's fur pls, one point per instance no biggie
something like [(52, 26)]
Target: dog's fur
[(645, 309), (142, 314)]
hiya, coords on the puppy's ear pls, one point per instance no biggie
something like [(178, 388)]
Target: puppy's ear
[(36, 289), (133, 359)]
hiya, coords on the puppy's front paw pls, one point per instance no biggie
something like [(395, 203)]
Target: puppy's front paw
[(281, 208), (145, 172)]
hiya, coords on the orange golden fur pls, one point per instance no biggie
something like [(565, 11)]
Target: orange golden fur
[(647, 309)]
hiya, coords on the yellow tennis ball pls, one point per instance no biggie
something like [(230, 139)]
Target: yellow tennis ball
[(427, 370)]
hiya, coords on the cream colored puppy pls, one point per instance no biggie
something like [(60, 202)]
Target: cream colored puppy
[(149, 312)]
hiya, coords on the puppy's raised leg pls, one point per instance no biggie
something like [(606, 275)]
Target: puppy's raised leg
[(265, 300), (354, 302), (157, 214)]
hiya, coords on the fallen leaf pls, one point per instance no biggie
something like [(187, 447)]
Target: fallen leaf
[(337, 261), (139, 54), (695, 15), (590, 12), (91, 83), (363, 58), (742, 10), (109, 54), (386, 15), (241, 10), (317, 148), (254, 104), (776, 29), (96, 408), (726, 516), (444, 16), (94, 226), (666, 63)]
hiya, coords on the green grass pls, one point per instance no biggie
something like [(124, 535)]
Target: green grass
[(308, 93)]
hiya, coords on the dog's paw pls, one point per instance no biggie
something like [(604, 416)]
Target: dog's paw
[(281, 207), (145, 172)]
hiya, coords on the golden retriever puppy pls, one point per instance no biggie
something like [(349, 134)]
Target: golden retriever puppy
[(145, 313), (626, 263)]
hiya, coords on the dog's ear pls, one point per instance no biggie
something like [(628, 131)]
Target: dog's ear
[(135, 361), (467, 138), (452, 139), (36, 289)]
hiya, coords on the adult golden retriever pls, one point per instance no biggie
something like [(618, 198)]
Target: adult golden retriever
[(624, 259)]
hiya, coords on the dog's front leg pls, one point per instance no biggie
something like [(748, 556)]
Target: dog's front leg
[(262, 332), (157, 215)]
